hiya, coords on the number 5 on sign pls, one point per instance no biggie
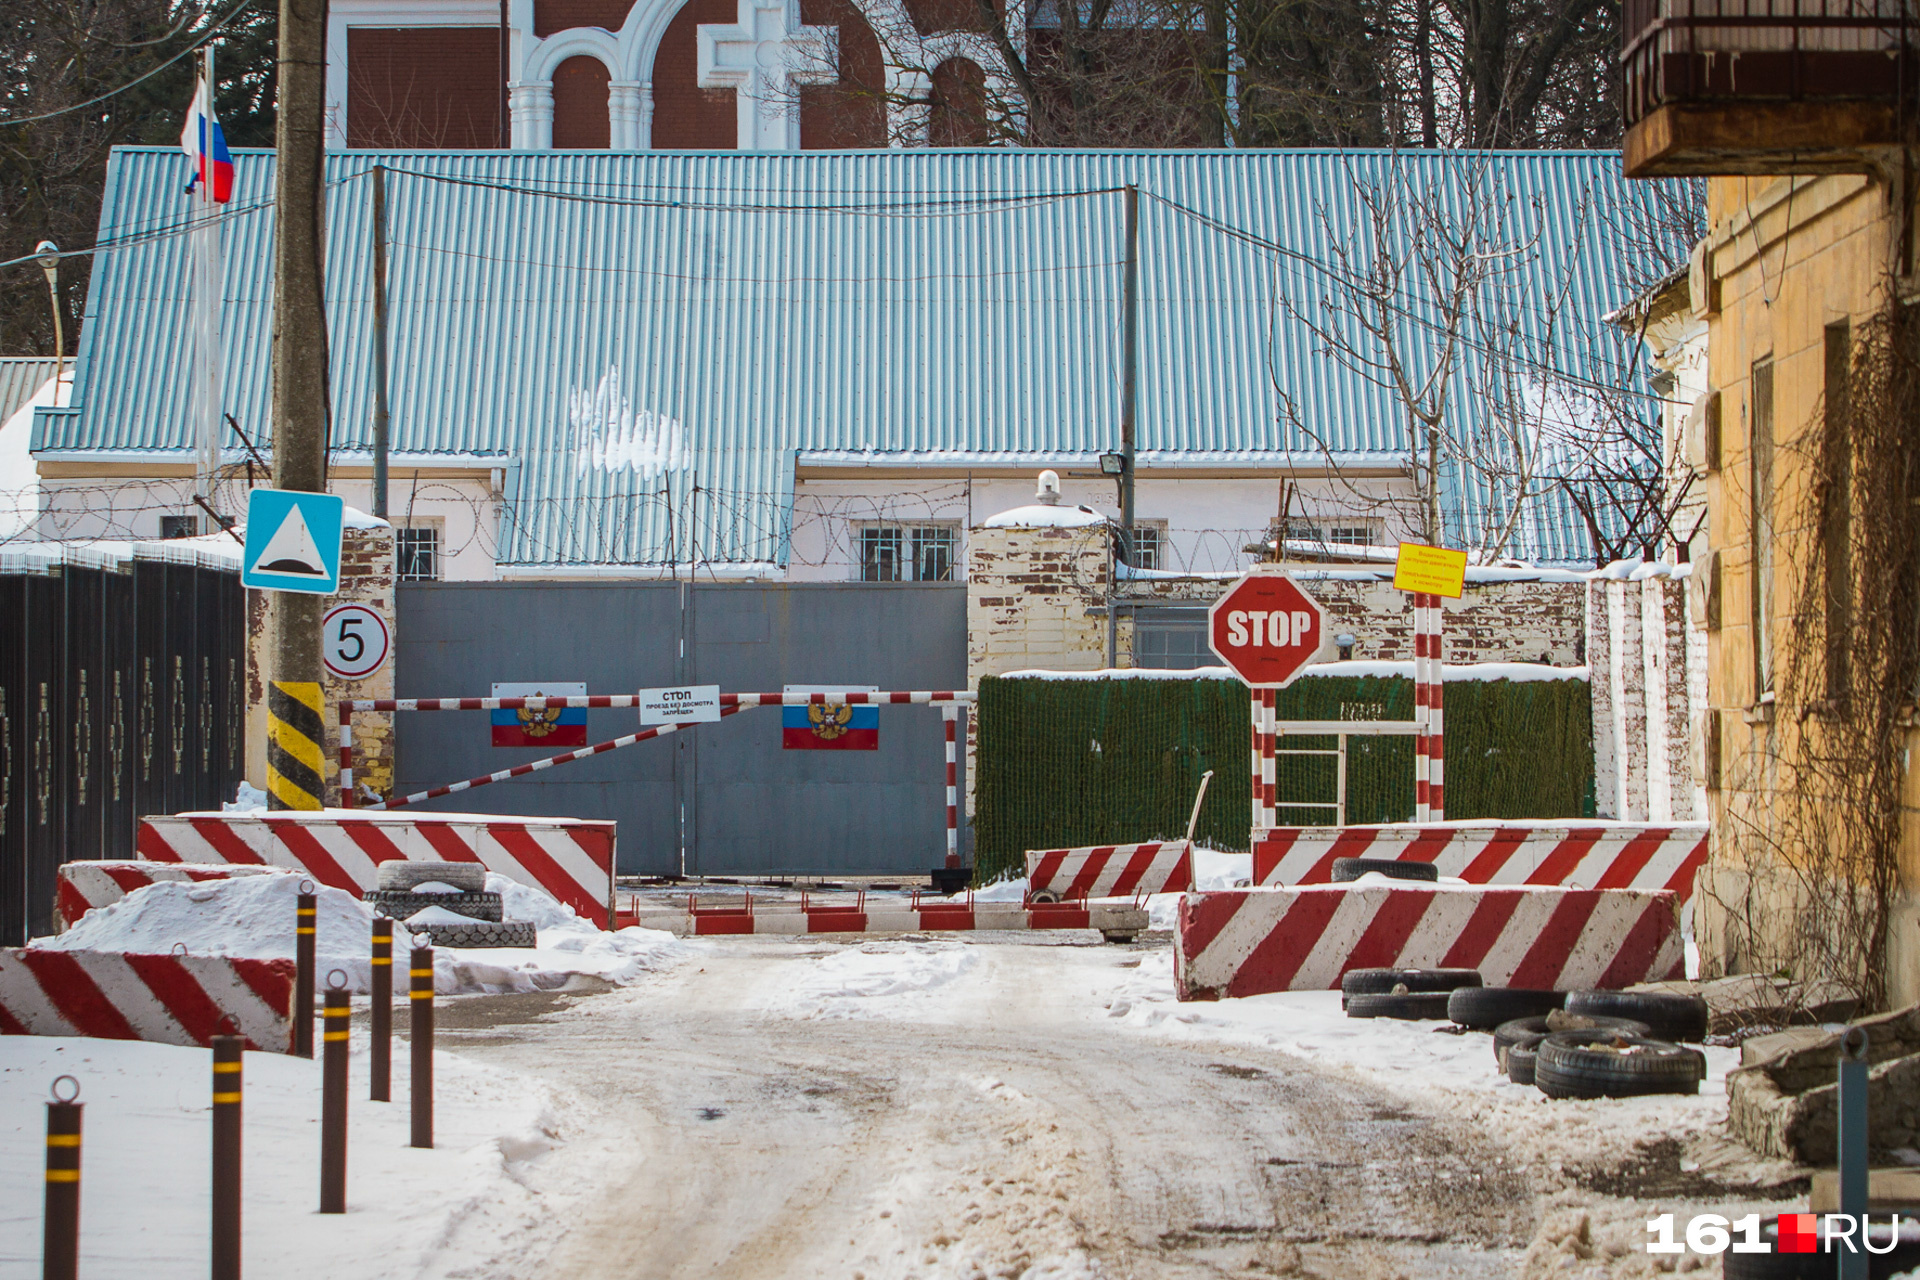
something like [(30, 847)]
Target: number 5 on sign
[(354, 641)]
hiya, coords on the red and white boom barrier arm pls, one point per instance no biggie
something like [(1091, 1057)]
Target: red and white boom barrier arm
[(730, 703)]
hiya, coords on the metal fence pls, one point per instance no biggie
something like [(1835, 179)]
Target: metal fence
[(121, 694)]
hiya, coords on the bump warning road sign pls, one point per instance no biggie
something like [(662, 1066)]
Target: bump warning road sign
[(293, 541)]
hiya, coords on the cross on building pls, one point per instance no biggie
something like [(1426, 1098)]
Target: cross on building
[(764, 58)]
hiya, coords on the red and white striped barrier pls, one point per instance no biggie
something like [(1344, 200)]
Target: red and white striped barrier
[(1112, 870), (730, 703), (1429, 695), (79, 887), (114, 995), (1244, 942), (736, 915), (570, 858), (1583, 855)]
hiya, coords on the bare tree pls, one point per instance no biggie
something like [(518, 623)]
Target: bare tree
[(55, 56)]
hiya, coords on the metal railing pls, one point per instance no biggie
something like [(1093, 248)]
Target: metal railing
[(1678, 51)]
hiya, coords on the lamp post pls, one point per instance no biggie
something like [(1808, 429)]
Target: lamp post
[(48, 254)]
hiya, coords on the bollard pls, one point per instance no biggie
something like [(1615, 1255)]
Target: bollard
[(382, 1063), (420, 1044), (60, 1248), (333, 1096), (226, 1156), (1852, 1105), (304, 916)]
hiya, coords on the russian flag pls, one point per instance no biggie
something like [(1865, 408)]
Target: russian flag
[(203, 142), (830, 726)]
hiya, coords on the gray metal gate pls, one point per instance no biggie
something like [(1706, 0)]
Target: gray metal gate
[(725, 798)]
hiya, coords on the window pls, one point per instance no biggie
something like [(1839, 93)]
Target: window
[(416, 555), (1837, 526), (1149, 545), (1760, 495), (179, 526), (907, 553), (1347, 531), (1354, 535), (1171, 639)]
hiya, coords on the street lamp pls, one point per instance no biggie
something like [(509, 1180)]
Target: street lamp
[(48, 254)]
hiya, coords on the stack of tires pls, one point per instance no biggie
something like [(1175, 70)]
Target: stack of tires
[(1580, 1044), (406, 888), (1606, 1044)]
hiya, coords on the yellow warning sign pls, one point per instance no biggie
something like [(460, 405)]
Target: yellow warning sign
[(1434, 570)]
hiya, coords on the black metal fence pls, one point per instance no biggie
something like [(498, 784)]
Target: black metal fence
[(121, 694)]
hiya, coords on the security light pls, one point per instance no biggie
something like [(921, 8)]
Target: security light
[(1113, 464)]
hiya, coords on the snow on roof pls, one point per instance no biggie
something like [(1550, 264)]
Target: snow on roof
[(1044, 517)]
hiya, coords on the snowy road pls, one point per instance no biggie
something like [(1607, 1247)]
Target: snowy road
[(792, 1108)]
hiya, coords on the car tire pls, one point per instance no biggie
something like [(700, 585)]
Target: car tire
[(1606, 1064), (401, 874), (1373, 982), (401, 904), (1484, 1008), (1811, 1266), (1411, 1006), (1520, 1060), (1346, 870), (1670, 1016), (513, 933), (1517, 1031)]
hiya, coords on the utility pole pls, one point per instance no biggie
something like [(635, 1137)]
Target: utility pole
[(300, 406), (380, 341), (1129, 367)]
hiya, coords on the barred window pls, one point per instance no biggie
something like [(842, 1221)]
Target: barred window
[(907, 553), (1149, 546), (416, 554), (179, 526)]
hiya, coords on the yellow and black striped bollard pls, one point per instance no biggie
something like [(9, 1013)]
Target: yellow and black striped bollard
[(60, 1248), (226, 1156), (296, 745), (382, 1063), (304, 916), (336, 1018), (420, 1044)]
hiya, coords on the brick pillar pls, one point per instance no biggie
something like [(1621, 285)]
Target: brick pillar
[(366, 577), (1029, 592)]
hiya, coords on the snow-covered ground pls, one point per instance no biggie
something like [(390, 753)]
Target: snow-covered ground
[(145, 1166), (253, 916)]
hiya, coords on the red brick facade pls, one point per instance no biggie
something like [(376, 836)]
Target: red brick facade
[(685, 116), (580, 95), (853, 113), (550, 16), (435, 88)]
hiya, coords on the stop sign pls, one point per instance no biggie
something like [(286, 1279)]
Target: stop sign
[(1266, 628)]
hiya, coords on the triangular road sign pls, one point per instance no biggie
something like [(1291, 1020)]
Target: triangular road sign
[(291, 549)]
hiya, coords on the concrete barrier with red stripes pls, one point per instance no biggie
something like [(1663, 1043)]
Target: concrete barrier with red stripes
[(79, 887), (570, 858), (1244, 942), (730, 914), (1576, 854), (115, 995), (1112, 870)]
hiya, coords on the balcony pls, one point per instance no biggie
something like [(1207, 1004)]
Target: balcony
[(1765, 86)]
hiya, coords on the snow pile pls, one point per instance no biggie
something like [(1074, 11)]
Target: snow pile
[(611, 435), (254, 916), (1456, 1072), (433, 886), (245, 916), (246, 799), (875, 980), (467, 1207), (999, 891), (1040, 516), (1212, 869)]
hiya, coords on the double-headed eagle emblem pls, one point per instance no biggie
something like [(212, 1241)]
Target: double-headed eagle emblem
[(829, 719), (538, 724)]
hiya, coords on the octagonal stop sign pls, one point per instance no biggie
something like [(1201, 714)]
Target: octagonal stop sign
[(1266, 628)]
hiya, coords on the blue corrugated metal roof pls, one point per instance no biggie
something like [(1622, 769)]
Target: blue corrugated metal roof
[(21, 378), (752, 307)]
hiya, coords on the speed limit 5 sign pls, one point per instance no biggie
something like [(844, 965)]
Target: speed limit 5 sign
[(354, 641)]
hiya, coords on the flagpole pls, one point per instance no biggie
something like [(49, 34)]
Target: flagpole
[(208, 286)]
